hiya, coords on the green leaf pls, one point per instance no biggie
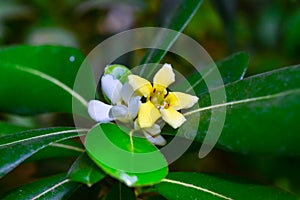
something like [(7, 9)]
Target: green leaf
[(181, 17), (132, 160), (15, 148), (55, 187), (120, 191), (84, 170), (66, 148), (54, 150), (188, 185), (38, 79), (262, 114), (231, 69), (7, 128)]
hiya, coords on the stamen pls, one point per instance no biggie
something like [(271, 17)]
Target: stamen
[(143, 99)]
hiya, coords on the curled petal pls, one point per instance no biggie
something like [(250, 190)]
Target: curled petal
[(99, 111), (119, 112), (140, 85), (172, 117), (147, 115), (111, 88), (179, 100), (153, 130), (156, 140), (164, 77), (133, 106), (127, 93)]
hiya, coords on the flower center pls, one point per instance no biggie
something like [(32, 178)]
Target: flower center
[(158, 99)]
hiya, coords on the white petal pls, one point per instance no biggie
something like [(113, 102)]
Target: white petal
[(127, 92), (133, 106), (157, 140), (99, 111), (111, 88), (153, 130), (119, 112), (136, 125)]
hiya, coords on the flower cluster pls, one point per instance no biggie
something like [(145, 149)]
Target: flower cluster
[(134, 100)]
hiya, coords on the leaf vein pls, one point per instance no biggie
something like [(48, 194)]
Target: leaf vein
[(281, 94), (68, 147), (50, 189), (195, 187), (56, 82), (41, 136)]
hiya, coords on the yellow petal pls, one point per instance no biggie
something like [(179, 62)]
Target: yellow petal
[(164, 77), (148, 114), (179, 100), (140, 85), (172, 117)]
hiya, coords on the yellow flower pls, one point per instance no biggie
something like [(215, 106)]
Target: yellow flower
[(160, 102)]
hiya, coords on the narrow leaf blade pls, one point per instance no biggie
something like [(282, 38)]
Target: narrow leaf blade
[(65, 148), (189, 185), (177, 22), (232, 68), (48, 72), (15, 148), (7, 128), (262, 114), (55, 187), (84, 170)]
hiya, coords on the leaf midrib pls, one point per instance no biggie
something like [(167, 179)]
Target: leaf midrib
[(248, 100), (50, 189), (41, 136), (189, 185), (52, 80)]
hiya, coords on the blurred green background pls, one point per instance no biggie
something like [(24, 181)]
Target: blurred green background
[(268, 30)]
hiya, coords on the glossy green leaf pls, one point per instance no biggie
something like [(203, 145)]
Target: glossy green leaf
[(6, 128), (135, 162), (189, 185), (54, 150), (15, 148), (66, 148), (38, 79), (84, 170), (55, 187), (262, 114), (177, 22), (231, 69), (120, 191)]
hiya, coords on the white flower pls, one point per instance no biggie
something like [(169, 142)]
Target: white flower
[(99, 111), (160, 102), (152, 133), (124, 108), (102, 112), (126, 105)]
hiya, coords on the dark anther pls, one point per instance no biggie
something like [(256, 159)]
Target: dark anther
[(168, 90), (154, 90), (143, 99)]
